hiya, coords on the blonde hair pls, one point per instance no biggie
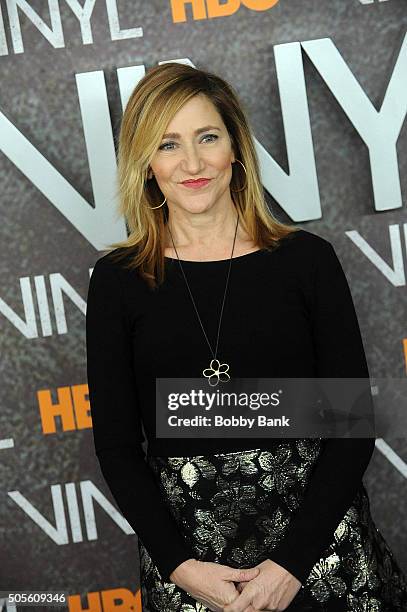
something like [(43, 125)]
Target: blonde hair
[(153, 103)]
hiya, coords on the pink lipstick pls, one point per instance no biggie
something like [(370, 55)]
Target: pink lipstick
[(196, 184)]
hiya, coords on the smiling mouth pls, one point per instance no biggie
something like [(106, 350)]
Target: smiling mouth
[(197, 184), (192, 181)]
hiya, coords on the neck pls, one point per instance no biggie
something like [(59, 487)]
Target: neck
[(205, 231)]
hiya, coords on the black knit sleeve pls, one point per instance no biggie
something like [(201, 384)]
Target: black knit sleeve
[(116, 422), (340, 467)]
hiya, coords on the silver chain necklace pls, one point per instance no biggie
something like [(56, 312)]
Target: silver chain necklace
[(217, 372)]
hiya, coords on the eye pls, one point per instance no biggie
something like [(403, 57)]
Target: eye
[(164, 146), (211, 136)]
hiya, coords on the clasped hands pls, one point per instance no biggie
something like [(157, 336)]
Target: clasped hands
[(266, 587)]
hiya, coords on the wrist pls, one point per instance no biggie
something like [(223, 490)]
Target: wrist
[(181, 567)]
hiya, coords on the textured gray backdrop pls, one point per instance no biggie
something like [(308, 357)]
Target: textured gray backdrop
[(39, 95)]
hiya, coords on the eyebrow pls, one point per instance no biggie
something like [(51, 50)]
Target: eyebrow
[(198, 131)]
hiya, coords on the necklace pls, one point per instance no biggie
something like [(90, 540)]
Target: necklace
[(217, 371)]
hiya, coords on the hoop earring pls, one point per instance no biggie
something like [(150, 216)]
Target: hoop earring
[(159, 206), (244, 186)]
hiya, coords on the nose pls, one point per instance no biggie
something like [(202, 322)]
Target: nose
[(191, 162)]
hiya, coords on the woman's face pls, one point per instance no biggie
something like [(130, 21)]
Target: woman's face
[(187, 151)]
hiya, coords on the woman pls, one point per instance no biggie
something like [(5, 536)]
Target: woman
[(209, 284)]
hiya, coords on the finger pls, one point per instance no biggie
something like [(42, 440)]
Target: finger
[(241, 585), (244, 575), (241, 603)]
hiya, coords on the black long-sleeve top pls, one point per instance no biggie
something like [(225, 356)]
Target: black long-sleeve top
[(288, 313)]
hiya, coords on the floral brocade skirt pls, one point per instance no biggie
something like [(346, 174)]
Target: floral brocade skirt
[(235, 507)]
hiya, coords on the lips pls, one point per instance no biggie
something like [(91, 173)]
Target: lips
[(196, 183)]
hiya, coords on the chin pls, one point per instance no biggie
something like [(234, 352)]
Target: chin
[(197, 207)]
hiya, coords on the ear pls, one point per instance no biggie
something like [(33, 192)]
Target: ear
[(233, 152)]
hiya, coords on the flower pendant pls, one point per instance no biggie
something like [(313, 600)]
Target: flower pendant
[(216, 372)]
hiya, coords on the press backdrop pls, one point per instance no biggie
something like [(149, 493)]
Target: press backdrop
[(325, 88)]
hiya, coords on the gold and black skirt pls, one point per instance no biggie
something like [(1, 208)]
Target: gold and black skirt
[(235, 507)]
